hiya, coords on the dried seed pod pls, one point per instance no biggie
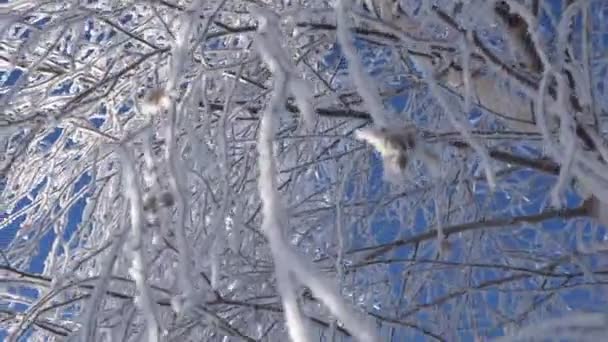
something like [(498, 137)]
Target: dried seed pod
[(393, 144), (157, 100), (159, 97), (401, 161), (150, 208), (398, 146), (403, 139), (150, 203), (597, 210), (152, 220), (167, 199)]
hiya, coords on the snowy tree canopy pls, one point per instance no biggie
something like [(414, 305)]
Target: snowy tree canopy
[(304, 170)]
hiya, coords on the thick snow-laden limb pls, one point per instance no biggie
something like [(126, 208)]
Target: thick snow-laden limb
[(365, 85), (176, 179), (327, 293), (303, 94), (277, 59), (143, 299), (268, 46), (285, 259), (272, 212), (181, 46)]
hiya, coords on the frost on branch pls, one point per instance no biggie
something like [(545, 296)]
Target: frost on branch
[(268, 43), (233, 254)]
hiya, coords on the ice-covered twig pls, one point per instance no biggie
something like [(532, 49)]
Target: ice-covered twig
[(340, 230), (330, 296), (218, 233), (463, 127), (564, 172), (176, 179), (90, 315), (550, 144), (181, 46), (563, 28), (138, 271), (179, 191), (588, 171)]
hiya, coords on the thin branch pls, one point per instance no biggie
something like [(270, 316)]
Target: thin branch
[(565, 214)]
